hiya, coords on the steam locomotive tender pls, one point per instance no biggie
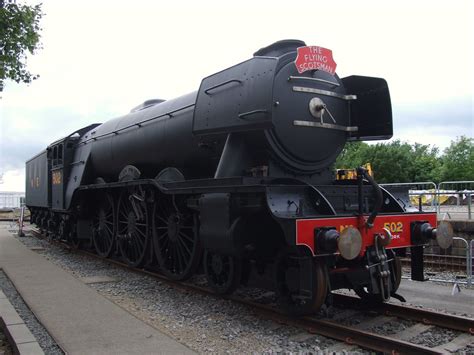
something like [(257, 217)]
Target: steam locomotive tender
[(235, 180)]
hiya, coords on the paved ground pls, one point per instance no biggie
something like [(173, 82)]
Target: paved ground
[(437, 296), (77, 317)]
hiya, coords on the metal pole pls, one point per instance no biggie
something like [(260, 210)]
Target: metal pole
[(469, 263), (469, 202), (437, 199), (20, 222), (468, 258)]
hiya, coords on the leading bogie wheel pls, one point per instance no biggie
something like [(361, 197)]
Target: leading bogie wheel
[(295, 298), (103, 236), (223, 272)]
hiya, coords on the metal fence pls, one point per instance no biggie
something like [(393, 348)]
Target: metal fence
[(10, 200), (452, 200), (460, 202), (446, 267)]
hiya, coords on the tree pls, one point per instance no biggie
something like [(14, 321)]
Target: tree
[(426, 164), (352, 155), (393, 162), (19, 35), (458, 160)]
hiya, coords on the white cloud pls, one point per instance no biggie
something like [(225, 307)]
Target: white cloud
[(13, 180), (101, 58)]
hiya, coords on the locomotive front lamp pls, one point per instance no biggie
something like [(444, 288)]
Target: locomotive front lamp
[(349, 243)]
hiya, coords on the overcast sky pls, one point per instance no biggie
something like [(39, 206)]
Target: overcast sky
[(101, 58)]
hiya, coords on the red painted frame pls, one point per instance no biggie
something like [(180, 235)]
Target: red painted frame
[(398, 224)]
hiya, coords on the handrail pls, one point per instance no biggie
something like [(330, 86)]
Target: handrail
[(137, 124)]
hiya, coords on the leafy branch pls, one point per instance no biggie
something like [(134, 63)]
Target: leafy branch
[(19, 36)]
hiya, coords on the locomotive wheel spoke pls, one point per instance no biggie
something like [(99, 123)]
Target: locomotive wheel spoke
[(187, 237), (185, 247), (163, 235), (163, 221), (223, 272), (140, 234), (134, 231), (103, 236), (138, 240), (175, 240), (109, 230)]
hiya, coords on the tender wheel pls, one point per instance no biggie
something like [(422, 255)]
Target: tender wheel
[(295, 298), (63, 230), (72, 238), (175, 239), (223, 272), (363, 293), (133, 228), (103, 235), (52, 226), (44, 221)]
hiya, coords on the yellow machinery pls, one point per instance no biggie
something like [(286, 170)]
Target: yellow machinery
[(351, 174)]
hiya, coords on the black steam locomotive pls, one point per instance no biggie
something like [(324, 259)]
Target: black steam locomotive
[(235, 180)]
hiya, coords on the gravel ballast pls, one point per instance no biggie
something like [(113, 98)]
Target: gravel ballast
[(202, 322), (206, 323), (392, 327), (434, 337)]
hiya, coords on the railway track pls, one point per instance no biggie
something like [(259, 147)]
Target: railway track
[(352, 336), (451, 262)]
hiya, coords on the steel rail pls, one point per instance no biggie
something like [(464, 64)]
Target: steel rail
[(443, 320), (366, 339), (347, 334), (439, 261), (330, 329)]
